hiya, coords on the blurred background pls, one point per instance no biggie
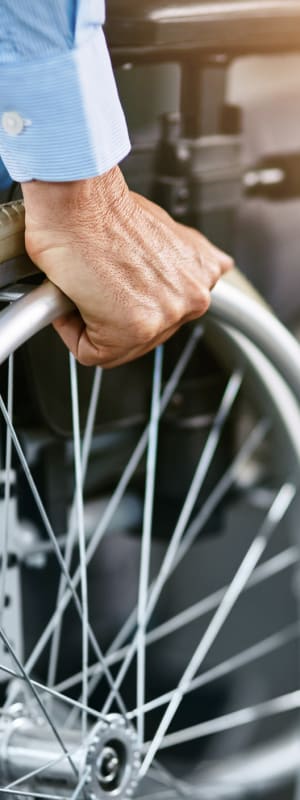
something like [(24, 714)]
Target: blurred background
[(264, 236)]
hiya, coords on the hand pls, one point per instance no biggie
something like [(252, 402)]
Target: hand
[(133, 273)]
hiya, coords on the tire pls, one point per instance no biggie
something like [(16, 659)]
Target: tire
[(149, 622)]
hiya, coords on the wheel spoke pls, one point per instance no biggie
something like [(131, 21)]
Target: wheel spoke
[(81, 538), (128, 473), (273, 566), (71, 535), (201, 471), (192, 532), (7, 489), (44, 638), (279, 705), (146, 538), (276, 513), (251, 444), (229, 665), (165, 794), (39, 770), (80, 785), (40, 506), (55, 694), (205, 461), (38, 699), (160, 773), (38, 795), (118, 493)]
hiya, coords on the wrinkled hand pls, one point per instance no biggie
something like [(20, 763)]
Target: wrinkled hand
[(133, 273)]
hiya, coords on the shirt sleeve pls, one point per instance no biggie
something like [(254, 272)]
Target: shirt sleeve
[(60, 115)]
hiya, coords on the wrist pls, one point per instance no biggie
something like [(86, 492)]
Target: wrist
[(49, 203)]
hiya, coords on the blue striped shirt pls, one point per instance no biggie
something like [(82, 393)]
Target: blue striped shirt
[(60, 115)]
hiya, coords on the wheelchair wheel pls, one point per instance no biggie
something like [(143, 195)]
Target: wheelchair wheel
[(149, 618)]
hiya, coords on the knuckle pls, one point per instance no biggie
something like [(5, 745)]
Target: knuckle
[(214, 272), (202, 301), (179, 308), (145, 327)]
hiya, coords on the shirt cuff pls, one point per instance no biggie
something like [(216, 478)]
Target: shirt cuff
[(61, 118)]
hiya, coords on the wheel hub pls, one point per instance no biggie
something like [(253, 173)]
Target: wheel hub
[(113, 760), (110, 761)]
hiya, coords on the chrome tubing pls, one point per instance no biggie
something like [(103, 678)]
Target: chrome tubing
[(29, 315), (229, 305), (233, 307)]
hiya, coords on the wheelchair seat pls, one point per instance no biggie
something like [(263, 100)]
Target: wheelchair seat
[(208, 26)]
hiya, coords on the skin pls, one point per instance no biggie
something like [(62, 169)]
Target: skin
[(133, 273)]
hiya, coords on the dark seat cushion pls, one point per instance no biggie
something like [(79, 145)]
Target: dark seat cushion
[(208, 25)]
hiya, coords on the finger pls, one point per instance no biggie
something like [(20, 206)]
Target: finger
[(204, 246), (73, 333), (139, 352), (225, 261)]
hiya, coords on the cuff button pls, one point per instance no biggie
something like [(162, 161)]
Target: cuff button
[(12, 123)]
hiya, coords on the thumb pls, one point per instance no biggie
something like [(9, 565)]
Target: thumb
[(72, 331)]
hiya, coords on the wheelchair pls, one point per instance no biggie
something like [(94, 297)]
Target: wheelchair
[(149, 597)]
